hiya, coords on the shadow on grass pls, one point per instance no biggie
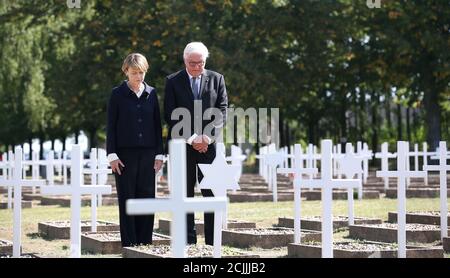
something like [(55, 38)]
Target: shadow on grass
[(39, 235)]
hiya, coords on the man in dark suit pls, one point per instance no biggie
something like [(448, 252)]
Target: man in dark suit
[(188, 89)]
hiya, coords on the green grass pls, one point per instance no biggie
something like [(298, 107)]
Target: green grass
[(265, 214)]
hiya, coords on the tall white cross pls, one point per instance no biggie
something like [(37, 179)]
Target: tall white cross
[(237, 157), (442, 168), (273, 160), (76, 189), (179, 204), (298, 170), (327, 183), (401, 174), (96, 169), (366, 156), (351, 165), (262, 164), (384, 155), (18, 182), (337, 155)]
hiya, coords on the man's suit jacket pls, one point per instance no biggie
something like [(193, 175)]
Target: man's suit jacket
[(178, 93)]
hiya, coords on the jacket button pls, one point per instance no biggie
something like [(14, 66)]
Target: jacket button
[(139, 120), (140, 134), (138, 106)]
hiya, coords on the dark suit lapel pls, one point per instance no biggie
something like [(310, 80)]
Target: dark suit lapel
[(187, 84), (204, 83)]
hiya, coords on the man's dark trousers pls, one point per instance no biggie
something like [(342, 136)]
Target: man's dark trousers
[(193, 157)]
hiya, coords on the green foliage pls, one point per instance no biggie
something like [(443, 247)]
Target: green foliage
[(331, 66)]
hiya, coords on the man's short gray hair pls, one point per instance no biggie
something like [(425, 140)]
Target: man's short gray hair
[(196, 47)]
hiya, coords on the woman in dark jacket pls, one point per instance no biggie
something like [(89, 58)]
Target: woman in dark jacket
[(134, 146)]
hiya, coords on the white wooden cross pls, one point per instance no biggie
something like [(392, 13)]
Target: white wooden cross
[(7, 174), (179, 204), (96, 169), (298, 170), (273, 160), (384, 155), (76, 189), (351, 165), (367, 155), (237, 157), (327, 183), (159, 174), (435, 155), (401, 174), (10, 174), (311, 158), (337, 154), (219, 177), (425, 155), (18, 182), (442, 168), (262, 165)]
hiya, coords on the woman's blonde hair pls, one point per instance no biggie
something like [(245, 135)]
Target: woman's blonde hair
[(135, 60)]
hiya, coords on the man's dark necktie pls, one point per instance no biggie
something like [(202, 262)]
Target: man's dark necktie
[(195, 88)]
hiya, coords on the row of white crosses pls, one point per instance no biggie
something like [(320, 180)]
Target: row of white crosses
[(7, 166), (76, 189), (179, 204), (326, 183), (385, 155), (16, 181)]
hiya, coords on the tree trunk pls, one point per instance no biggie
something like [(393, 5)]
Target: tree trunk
[(432, 118), (408, 125), (41, 148), (311, 135), (282, 129), (388, 116), (288, 135), (375, 123), (30, 142), (64, 143), (93, 142), (415, 124), (77, 133), (399, 123)]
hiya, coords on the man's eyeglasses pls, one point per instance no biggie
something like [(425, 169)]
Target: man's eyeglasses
[(194, 64)]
